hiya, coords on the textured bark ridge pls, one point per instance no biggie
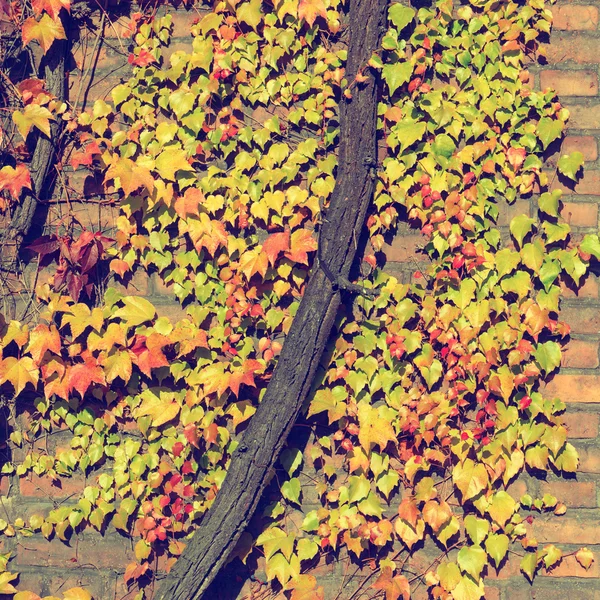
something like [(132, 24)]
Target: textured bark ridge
[(52, 70), (260, 446)]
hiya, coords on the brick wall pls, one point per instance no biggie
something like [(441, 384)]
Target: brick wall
[(571, 67)]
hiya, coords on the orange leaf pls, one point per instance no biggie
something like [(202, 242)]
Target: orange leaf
[(516, 157), (45, 31), (309, 10), (394, 587), (43, 338), (206, 233), (19, 372), (245, 376), (188, 203), (408, 511), (15, 179), (254, 261), (275, 244), (119, 266), (81, 376), (149, 352), (131, 176), (52, 7), (302, 242), (436, 514)]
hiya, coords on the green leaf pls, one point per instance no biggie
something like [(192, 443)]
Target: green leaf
[(477, 529), (397, 74), (472, 559), (529, 565), (496, 546), (444, 146), (502, 507), (291, 459), (449, 575), (568, 459), (136, 311), (520, 226), (549, 201), (307, 549), (408, 133), (548, 356), (467, 589), (591, 245), (359, 488), (569, 164), (291, 490), (250, 13), (548, 130), (401, 15), (552, 555)]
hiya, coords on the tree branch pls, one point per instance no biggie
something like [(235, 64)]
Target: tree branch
[(253, 461)]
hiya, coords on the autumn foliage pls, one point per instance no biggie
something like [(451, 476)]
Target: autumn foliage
[(223, 159)]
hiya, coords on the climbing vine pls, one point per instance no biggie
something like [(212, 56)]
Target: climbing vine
[(427, 407)]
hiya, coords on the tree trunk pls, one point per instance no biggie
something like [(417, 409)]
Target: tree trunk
[(52, 70), (267, 432)]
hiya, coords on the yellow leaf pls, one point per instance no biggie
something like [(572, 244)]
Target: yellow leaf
[(309, 10), (117, 364), (254, 261), (33, 115), (129, 176), (470, 478), (77, 593), (19, 372), (161, 409), (45, 31), (374, 429), (170, 161)]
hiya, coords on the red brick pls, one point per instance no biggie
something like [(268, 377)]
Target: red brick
[(173, 312), (570, 83), (569, 567), (95, 552), (581, 48), (574, 388), (581, 424), (584, 116), (588, 184), (44, 487), (507, 212), (580, 214), (575, 494), (582, 319), (566, 531), (589, 289), (404, 248), (586, 144), (580, 354), (137, 286), (589, 462), (573, 17)]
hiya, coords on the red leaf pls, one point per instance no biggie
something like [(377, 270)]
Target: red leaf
[(142, 60), (245, 376), (52, 7), (47, 244), (86, 156), (81, 376), (275, 244), (191, 434)]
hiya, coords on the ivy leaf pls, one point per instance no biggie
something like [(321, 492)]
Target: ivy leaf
[(502, 507), (548, 130), (569, 164), (548, 356), (82, 375), (520, 226), (496, 546), (275, 244), (291, 490), (585, 558), (137, 310), (529, 565), (291, 459), (33, 115), (591, 245), (19, 372), (472, 559), (477, 529), (161, 409), (170, 161), (467, 589), (309, 10), (470, 478), (401, 15), (45, 31), (15, 179), (394, 587), (250, 13), (129, 176), (254, 261), (449, 575), (444, 145), (301, 243), (436, 514), (552, 555), (52, 7), (548, 202), (5, 586), (397, 74), (374, 428), (77, 593)]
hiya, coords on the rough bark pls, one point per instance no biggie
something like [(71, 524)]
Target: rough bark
[(52, 70), (259, 448)]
